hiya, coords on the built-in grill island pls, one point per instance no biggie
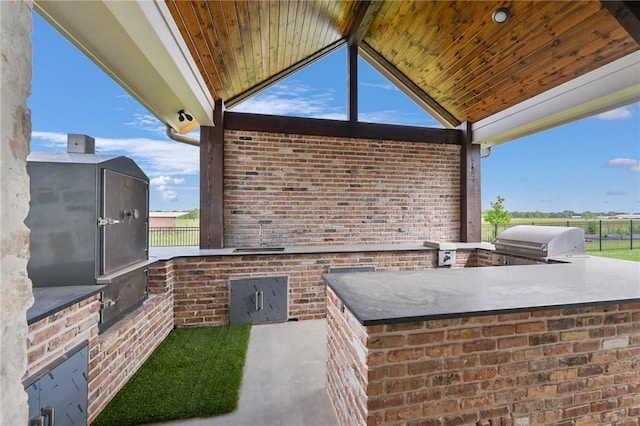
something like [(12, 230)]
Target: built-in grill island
[(496, 344), (528, 244), (89, 218)]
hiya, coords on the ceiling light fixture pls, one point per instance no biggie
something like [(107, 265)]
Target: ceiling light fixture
[(502, 15), (187, 122), (182, 115)]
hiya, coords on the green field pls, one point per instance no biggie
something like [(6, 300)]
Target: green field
[(187, 223), (624, 254)]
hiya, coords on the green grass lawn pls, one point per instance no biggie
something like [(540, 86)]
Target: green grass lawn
[(195, 372), (624, 254)]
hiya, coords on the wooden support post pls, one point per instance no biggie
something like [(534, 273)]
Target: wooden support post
[(352, 82), (470, 188), (212, 181)]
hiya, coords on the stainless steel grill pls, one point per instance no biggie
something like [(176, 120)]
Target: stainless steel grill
[(541, 243), (89, 219)]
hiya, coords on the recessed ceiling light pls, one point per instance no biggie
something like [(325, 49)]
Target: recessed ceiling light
[(502, 15)]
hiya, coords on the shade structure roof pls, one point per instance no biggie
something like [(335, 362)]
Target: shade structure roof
[(550, 63)]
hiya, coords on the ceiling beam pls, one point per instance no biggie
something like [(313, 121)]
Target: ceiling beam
[(338, 128), (230, 103), (138, 44), (362, 21), (628, 15), (611, 86), (407, 86), (352, 82)]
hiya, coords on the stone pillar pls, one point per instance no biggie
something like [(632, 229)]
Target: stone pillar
[(15, 130)]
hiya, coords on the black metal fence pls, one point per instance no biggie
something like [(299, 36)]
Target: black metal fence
[(174, 236), (599, 234)]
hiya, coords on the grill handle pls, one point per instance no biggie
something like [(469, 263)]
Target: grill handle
[(541, 247)]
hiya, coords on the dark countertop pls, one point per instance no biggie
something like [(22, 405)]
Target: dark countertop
[(49, 300), (404, 296), (166, 253)]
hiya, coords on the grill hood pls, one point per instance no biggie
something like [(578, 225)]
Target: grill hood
[(541, 241)]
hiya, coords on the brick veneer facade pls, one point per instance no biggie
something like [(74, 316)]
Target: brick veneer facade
[(574, 366), (201, 284), (114, 355), (312, 190)]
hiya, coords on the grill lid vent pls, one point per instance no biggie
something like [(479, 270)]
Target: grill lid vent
[(541, 241)]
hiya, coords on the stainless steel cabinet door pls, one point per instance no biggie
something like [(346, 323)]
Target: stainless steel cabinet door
[(255, 300), (124, 207), (60, 395)]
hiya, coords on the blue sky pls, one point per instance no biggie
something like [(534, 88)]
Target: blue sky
[(592, 164)]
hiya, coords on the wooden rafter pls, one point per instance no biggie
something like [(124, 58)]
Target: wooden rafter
[(230, 103), (362, 20), (628, 15), (410, 88)]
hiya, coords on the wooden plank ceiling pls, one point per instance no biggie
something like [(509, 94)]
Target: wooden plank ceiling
[(452, 52)]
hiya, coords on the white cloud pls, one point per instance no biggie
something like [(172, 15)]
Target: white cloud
[(616, 193), (51, 139), (164, 184), (170, 195), (398, 117), (623, 113), (293, 99), (147, 122), (630, 164), (160, 160), (384, 86), (155, 157), (164, 181)]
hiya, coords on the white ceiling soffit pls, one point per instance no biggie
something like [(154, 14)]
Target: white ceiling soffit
[(612, 86), (138, 44)]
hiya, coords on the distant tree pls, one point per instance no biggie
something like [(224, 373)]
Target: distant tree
[(193, 214), (497, 215), (593, 228)]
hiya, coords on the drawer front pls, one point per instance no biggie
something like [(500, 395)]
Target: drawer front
[(123, 294)]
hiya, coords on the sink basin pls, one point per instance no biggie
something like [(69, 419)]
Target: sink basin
[(258, 249)]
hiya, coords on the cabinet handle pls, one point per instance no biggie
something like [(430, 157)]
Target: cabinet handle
[(261, 300), (37, 421), (257, 302), (49, 413)]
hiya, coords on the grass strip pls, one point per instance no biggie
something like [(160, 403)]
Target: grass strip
[(195, 372), (624, 254)]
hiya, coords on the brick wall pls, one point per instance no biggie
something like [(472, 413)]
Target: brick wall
[(310, 190), (114, 355), (201, 284), (52, 337), (578, 366), (120, 351), (347, 370)]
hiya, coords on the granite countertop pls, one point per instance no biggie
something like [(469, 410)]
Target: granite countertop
[(49, 300), (166, 253), (404, 296)]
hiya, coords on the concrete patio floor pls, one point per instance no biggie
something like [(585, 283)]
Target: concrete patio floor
[(284, 379)]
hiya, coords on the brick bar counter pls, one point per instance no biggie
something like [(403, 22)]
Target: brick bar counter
[(506, 345)]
